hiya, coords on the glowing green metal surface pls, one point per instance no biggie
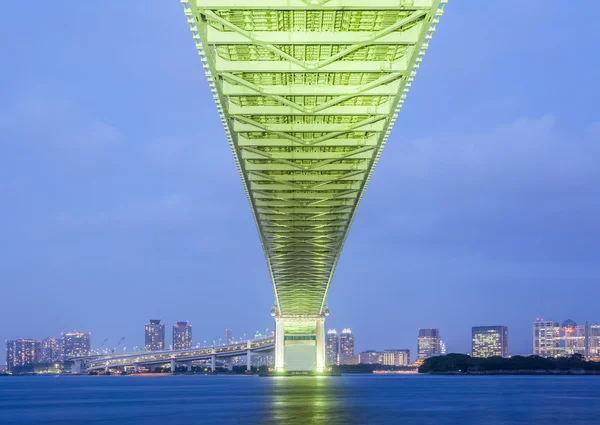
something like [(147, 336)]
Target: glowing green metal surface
[(308, 92)]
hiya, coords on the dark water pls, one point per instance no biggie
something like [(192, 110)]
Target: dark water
[(236, 400)]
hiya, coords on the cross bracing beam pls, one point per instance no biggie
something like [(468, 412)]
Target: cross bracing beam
[(308, 91)]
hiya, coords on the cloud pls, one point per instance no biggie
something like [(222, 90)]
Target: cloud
[(525, 192), (532, 149)]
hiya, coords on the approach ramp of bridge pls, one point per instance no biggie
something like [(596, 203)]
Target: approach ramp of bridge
[(308, 92)]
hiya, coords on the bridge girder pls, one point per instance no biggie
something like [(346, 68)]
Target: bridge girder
[(308, 92)]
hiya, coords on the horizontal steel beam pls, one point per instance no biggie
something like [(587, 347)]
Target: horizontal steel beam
[(306, 155), (409, 37), (266, 66), (274, 166), (308, 128), (301, 179), (299, 90), (234, 109), (264, 142), (312, 5)]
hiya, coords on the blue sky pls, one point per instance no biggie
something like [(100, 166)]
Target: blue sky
[(120, 200)]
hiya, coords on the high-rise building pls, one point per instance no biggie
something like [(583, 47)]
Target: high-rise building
[(52, 350), (546, 338), (490, 341), (370, 357), (347, 347), (155, 336), (76, 344), (428, 343), (396, 357), (182, 336), (573, 340), (443, 349), (593, 342), (567, 339), (228, 336), (332, 347), (22, 352)]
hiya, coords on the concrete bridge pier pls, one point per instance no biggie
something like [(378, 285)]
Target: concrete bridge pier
[(300, 342), (189, 366), (136, 368), (173, 365), (106, 369), (230, 364), (248, 360), (76, 368), (213, 362)]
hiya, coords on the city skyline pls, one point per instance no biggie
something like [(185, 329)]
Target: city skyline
[(549, 339), (466, 214)]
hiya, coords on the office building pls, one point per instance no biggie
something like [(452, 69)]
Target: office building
[(347, 347), (182, 336), (22, 352), (573, 340), (490, 341), (370, 357), (332, 348), (593, 342), (52, 350), (428, 343), (228, 336), (546, 338), (155, 336), (567, 339), (347, 355), (396, 357), (76, 344), (262, 359)]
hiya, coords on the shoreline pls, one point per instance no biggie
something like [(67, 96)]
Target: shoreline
[(521, 373)]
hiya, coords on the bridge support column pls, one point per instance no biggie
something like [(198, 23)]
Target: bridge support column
[(189, 366), (173, 365), (76, 368), (213, 362), (300, 343), (106, 369), (230, 364), (248, 360), (136, 368), (320, 344), (279, 345)]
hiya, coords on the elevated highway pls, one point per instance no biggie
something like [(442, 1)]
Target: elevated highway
[(174, 357)]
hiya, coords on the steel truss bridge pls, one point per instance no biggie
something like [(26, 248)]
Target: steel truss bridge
[(308, 92), (174, 357)]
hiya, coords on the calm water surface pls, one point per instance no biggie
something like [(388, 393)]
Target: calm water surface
[(361, 399)]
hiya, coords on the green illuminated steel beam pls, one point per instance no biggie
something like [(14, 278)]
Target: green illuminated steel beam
[(308, 92)]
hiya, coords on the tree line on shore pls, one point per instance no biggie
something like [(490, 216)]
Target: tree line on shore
[(463, 363)]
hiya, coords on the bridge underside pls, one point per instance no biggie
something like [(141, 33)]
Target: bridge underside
[(308, 92)]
